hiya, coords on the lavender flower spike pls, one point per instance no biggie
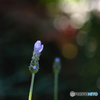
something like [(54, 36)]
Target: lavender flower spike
[(38, 47)]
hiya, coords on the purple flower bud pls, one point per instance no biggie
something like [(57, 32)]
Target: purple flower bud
[(57, 65), (28, 66), (57, 59), (34, 67), (38, 47)]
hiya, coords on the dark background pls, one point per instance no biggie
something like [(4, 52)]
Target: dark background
[(76, 42)]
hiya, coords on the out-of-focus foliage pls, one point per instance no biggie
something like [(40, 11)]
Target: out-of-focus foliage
[(69, 29)]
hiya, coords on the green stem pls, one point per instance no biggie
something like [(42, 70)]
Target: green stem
[(31, 87), (56, 86)]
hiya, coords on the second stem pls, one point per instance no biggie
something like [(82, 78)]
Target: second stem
[(56, 86)]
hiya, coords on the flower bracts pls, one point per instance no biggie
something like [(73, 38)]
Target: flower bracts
[(34, 65)]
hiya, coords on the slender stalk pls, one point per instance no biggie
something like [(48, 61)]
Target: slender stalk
[(31, 87), (56, 86)]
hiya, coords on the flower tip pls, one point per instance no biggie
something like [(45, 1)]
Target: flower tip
[(38, 47), (38, 41), (57, 59), (37, 44)]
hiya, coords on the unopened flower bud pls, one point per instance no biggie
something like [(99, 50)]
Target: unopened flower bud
[(57, 59), (56, 65), (38, 47)]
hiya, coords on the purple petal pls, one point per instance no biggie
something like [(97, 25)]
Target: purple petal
[(42, 46), (37, 45), (34, 67), (57, 59)]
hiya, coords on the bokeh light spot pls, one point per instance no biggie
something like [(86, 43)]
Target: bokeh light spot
[(94, 68), (90, 54), (69, 51), (61, 22), (78, 19), (81, 38), (90, 69), (98, 83), (91, 47)]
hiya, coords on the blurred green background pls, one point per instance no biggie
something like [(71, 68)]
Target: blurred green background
[(69, 29)]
